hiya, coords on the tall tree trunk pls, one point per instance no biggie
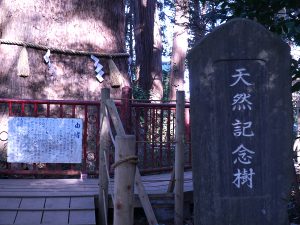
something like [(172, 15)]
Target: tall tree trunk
[(143, 34), (93, 25), (156, 91), (180, 44)]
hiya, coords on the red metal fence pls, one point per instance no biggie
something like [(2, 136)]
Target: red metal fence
[(153, 124)]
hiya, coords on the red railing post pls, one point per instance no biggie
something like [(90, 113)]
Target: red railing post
[(188, 135), (126, 114)]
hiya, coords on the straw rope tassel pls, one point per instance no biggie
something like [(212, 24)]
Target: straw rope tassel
[(115, 75), (23, 69)]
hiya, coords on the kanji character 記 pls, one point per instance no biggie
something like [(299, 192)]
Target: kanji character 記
[(241, 102), (242, 129), (241, 73), (243, 177), (244, 155)]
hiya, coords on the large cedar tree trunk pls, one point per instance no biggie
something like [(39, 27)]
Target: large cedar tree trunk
[(180, 44), (92, 25), (156, 90)]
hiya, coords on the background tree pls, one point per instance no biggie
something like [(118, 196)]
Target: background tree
[(156, 90), (148, 48), (179, 49)]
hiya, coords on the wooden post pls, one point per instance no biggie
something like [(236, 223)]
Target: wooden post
[(124, 180), (126, 109), (104, 146), (111, 107), (144, 199), (171, 184), (179, 157)]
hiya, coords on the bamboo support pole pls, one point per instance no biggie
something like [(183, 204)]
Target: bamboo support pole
[(144, 198), (104, 147), (171, 184), (179, 158), (124, 180)]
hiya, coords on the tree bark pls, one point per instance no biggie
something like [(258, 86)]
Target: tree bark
[(180, 44), (92, 25), (156, 90), (148, 48)]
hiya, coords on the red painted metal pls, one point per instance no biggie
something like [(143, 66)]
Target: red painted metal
[(97, 135), (23, 109), (152, 138), (155, 131), (125, 109), (35, 110), (48, 110), (10, 108), (85, 139), (168, 137)]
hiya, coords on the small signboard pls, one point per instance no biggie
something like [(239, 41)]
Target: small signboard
[(44, 140)]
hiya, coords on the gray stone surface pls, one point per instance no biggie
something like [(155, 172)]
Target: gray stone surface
[(241, 118)]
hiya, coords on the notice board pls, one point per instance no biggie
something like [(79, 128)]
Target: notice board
[(44, 140)]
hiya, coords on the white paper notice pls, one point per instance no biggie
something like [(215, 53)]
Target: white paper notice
[(44, 140)]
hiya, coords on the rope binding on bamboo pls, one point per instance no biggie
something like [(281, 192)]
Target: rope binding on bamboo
[(130, 159)]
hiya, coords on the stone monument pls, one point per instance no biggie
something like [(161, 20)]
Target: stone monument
[(241, 119)]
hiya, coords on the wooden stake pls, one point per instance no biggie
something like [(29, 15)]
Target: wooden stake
[(179, 158), (124, 181), (104, 146), (23, 69), (115, 75), (171, 184), (144, 198)]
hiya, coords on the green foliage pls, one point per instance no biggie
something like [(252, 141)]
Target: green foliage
[(139, 93), (166, 84), (281, 17), (278, 16)]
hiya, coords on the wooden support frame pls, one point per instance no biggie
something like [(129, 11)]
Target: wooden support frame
[(179, 158), (171, 184), (104, 147), (111, 107), (124, 180), (145, 201)]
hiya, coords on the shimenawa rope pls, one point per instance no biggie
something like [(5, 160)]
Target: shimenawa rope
[(61, 50)]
